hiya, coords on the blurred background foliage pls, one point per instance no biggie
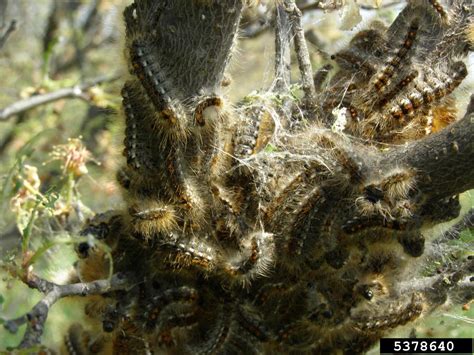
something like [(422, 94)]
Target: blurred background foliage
[(58, 160)]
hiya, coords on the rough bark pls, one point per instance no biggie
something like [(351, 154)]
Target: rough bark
[(36, 318), (443, 161)]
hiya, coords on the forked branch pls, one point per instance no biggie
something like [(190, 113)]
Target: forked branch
[(437, 288), (302, 54), (36, 318)]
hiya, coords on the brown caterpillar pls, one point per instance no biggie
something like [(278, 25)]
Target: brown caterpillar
[(398, 314), (258, 228), (254, 135), (393, 64)]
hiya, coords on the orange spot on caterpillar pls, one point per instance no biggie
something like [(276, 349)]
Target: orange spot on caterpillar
[(255, 133), (439, 9), (383, 78), (398, 88), (443, 115)]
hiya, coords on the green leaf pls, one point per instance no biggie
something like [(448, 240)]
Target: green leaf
[(467, 236), (270, 148), (51, 196)]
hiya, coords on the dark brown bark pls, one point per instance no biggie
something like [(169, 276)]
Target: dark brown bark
[(443, 161), (36, 318), (302, 54)]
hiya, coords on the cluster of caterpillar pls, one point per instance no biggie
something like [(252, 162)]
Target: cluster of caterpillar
[(295, 249), (392, 81)]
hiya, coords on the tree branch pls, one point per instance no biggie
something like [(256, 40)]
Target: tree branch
[(319, 5), (11, 26), (77, 91), (8, 32), (464, 291), (437, 288), (302, 54), (453, 233), (444, 161), (195, 42), (282, 51), (36, 318)]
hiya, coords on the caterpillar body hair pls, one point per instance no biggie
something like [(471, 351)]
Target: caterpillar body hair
[(399, 313), (255, 259), (151, 218), (279, 224)]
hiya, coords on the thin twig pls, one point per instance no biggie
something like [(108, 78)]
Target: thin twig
[(453, 233), (436, 288), (36, 318), (261, 25), (10, 136), (464, 291), (3, 10), (318, 5), (85, 18), (283, 61), (302, 54), (14, 324), (282, 51), (323, 5), (8, 32), (461, 318), (77, 91)]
